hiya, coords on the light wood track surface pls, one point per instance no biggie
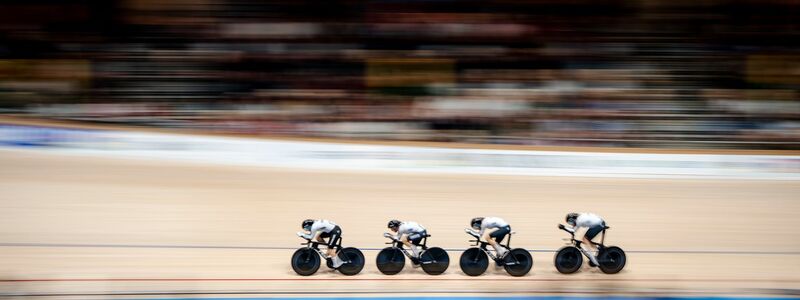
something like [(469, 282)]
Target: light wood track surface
[(82, 227)]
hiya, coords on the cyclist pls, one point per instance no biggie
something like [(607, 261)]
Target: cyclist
[(493, 230), (585, 227), (410, 233), (319, 230)]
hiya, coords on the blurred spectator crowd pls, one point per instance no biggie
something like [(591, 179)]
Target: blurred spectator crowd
[(649, 73)]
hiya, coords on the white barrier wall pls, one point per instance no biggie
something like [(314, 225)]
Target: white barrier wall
[(316, 155)]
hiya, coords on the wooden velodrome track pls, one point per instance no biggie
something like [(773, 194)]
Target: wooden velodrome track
[(95, 228)]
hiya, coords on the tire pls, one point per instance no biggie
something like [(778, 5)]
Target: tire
[(390, 261), (474, 262), (568, 260), (305, 261), (518, 262), (611, 260), (355, 258), (434, 261)]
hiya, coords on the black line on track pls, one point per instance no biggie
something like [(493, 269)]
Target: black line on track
[(65, 245)]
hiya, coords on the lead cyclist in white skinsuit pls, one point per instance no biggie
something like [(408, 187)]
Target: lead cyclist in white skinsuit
[(585, 226), (410, 233), (319, 230)]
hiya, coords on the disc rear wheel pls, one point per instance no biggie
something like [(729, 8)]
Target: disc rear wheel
[(354, 261), (612, 260), (434, 261), (518, 262)]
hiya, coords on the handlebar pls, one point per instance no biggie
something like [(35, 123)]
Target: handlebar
[(477, 237), (302, 236), (564, 228), (572, 239), (391, 237), (395, 242)]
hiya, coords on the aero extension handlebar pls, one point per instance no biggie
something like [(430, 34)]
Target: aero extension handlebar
[(391, 237), (564, 228), (477, 239), (308, 240)]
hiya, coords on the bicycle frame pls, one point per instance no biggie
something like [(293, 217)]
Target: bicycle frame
[(482, 245), (599, 245), (315, 245), (397, 244)]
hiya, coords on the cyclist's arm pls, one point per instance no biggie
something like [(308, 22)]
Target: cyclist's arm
[(579, 232), (483, 229), (404, 239), (400, 231), (314, 231), (487, 232)]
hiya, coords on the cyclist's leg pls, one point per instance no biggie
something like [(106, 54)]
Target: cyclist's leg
[(333, 242), (412, 241), (487, 236), (496, 237), (590, 248), (321, 238)]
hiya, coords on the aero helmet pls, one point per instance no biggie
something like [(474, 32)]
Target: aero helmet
[(307, 224), (571, 218), (393, 224), (476, 222)]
